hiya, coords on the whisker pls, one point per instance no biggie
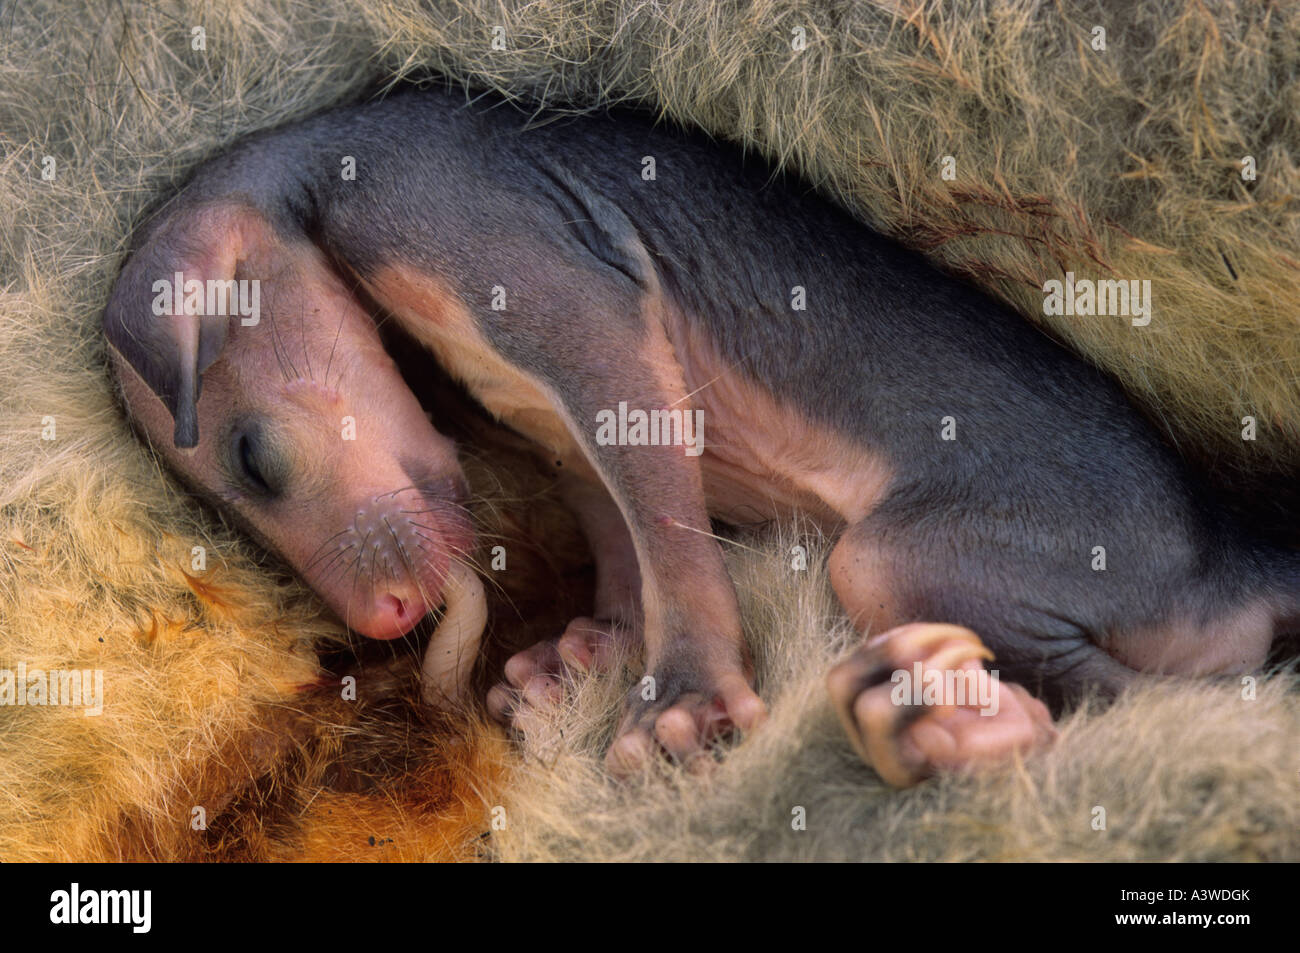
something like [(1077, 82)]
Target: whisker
[(410, 567), (302, 328), (320, 550), (325, 570), (458, 555), (278, 349), (337, 332), (715, 536), (361, 555)]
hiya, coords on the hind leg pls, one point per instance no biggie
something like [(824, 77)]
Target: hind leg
[(916, 698)]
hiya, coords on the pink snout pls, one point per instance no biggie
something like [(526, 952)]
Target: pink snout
[(391, 616), (387, 570)]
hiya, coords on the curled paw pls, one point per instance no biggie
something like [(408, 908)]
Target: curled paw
[(679, 711), (534, 678), (918, 699)]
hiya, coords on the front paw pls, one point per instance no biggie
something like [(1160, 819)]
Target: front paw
[(679, 708), (534, 678)]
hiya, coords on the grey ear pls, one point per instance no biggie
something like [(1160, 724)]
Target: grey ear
[(200, 341), (170, 351)]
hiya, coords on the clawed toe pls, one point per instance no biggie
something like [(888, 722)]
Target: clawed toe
[(917, 699)]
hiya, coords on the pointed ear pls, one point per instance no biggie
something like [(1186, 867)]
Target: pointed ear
[(147, 321)]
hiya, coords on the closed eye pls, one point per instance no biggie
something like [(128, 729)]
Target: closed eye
[(253, 461), (248, 464)]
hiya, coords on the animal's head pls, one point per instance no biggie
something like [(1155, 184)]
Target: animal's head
[(284, 408)]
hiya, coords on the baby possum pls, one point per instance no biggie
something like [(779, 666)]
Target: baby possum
[(626, 297)]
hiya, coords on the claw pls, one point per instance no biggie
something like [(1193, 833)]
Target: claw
[(954, 655), (913, 640), (951, 658)]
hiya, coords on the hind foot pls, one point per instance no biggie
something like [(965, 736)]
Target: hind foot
[(917, 699)]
